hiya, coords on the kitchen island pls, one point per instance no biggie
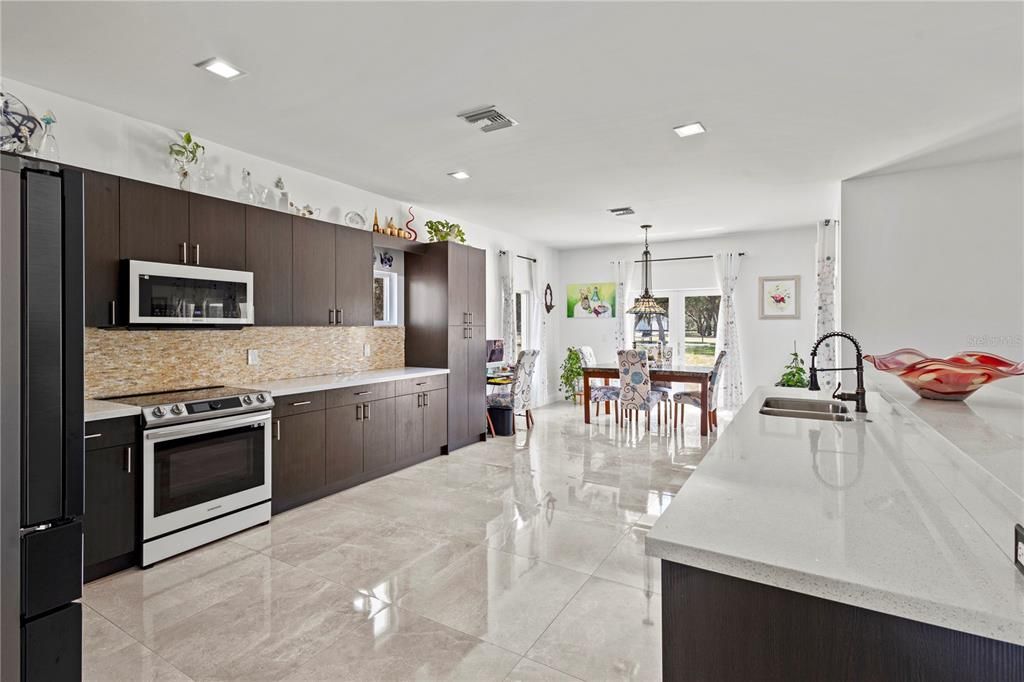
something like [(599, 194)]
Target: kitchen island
[(877, 549)]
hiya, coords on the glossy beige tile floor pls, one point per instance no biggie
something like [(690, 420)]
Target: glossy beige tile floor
[(516, 559)]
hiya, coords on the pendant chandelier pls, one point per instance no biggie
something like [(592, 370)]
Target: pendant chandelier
[(645, 304)]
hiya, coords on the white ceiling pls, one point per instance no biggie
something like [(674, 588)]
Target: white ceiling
[(795, 97)]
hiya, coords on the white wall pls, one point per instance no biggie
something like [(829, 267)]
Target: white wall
[(934, 259), (104, 140), (764, 344)]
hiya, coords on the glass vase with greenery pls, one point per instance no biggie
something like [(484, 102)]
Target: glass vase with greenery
[(794, 374), (185, 153), (572, 373), (444, 231)]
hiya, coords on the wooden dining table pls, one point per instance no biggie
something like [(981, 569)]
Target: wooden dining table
[(675, 372)]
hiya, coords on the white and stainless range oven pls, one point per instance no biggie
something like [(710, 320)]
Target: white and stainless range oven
[(206, 456)]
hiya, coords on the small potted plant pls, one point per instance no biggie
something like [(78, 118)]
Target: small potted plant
[(794, 374), (444, 231), (185, 153), (572, 374)]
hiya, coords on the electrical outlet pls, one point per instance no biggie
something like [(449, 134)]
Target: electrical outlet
[(1018, 542), (253, 356), (366, 350)]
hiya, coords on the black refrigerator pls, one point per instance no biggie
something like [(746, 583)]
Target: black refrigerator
[(41, 419)]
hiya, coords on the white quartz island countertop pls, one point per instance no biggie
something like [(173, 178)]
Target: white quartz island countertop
[(909, 513)]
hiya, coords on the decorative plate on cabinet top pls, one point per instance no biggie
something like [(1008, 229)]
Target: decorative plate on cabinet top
[(355, 219), (952, 378)]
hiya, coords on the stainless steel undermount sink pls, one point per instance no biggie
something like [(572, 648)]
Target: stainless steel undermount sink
[(806, 408)]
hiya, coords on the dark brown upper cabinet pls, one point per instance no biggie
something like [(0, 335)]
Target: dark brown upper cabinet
[(313, 279), (268, 255), (354, 277), (103, 307), (153, 222), (476, 285), (216, 230)]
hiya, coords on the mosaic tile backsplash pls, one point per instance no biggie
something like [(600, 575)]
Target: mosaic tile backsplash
[(120, 362)]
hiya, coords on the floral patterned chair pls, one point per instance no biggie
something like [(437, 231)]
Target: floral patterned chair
[(692, 398), (636, 394), (599, 392), (519, 398)]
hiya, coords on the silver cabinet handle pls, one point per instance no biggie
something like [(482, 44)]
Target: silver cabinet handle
[(302, 402), (113, 313), (421, 383), (426, 399), (92, 435), (419, 400), (470, 317), (128, 459), (366, 411), (277, 430), (362, 393), (339, 314), (196, 248), (330, 316), (359, 413), (184, 253)]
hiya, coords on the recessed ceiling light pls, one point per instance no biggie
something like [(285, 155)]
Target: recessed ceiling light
[(459, 175), (695, 128), (221, 68)]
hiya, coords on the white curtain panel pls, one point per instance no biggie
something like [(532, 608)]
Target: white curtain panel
[(729, 393), (506, 259), (624, 295), (536, 339), (828, 283)]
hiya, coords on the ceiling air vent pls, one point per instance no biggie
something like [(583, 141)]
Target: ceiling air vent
[(625, 210), (494, 119)]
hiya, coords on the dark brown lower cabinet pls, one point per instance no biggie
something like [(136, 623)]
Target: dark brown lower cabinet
[(422, 424), (379, 435), (109, 525), (344, 442), (298, 459), (360, 439), (717, 627)]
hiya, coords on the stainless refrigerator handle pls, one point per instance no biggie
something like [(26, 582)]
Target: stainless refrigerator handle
[(277, 430), (128, 459), (196, 247), (184, 253), (330, 316)]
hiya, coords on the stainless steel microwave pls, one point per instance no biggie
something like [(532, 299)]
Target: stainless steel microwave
[(187, 295)]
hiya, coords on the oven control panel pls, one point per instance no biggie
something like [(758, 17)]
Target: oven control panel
[(194, 410)]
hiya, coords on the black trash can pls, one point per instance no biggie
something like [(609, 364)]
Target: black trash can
[(502, 418)]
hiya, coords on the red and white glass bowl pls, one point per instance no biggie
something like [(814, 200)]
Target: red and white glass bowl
[(952, 378)]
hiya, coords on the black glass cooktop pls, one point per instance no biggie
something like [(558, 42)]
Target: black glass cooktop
[(182, 396)]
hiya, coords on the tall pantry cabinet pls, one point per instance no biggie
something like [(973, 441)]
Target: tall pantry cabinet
[(445, 326)]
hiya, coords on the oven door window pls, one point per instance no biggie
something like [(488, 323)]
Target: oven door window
[(200, 469)]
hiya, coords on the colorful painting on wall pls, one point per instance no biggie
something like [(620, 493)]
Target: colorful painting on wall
[(593, 301), (779, 297)]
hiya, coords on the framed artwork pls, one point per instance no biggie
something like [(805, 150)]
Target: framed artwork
[(594, 301), (779, 297)]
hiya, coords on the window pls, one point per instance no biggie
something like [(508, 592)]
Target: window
[(385, 299), (653, 332), (701, 314)]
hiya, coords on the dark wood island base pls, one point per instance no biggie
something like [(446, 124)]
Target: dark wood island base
[(717, 628)]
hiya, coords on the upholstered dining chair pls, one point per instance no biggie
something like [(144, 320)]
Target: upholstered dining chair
[(600, 392), (692, 398), (519, 399), (635, 392)]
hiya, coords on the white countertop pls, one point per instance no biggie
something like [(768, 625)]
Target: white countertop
[(107, 409), (328, 381), (891, 514)]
